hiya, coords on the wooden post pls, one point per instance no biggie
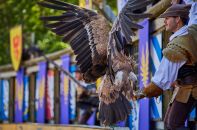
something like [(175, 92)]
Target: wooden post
[(11, 99), (159, 8), (56, 96), (32, 87)]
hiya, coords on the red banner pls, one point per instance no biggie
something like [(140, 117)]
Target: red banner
[(16, 46)]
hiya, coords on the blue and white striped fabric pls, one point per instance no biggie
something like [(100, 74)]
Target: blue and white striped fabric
[(73, 86), (155, 59), (4, 100), (133, 118), (26, 99), (192, 116)]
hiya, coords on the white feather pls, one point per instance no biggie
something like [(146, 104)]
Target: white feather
[(132, 77), (119, 77)]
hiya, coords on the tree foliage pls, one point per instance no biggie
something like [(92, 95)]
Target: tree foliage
[(112, 4), (27, 13)]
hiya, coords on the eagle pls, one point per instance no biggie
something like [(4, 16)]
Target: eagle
[(101, 50)]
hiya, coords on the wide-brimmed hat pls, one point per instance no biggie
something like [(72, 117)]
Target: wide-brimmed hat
[(177, 10)]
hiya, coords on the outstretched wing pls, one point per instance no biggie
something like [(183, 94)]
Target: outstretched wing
[(86, 32), (117, 86), (125, 24)]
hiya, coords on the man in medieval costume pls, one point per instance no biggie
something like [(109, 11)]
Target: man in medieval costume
[(178, 67)]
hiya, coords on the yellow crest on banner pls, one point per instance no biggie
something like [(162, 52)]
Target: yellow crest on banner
[(85, 4), (16, 46), (144, 67)]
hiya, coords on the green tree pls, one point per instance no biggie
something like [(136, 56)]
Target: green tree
[(27, 13), (113, 5)]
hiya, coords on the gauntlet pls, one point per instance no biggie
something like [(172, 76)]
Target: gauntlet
[(149, 91)]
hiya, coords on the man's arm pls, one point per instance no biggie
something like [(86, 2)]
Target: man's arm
[(162, 80)]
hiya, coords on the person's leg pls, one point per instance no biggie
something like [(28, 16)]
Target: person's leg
[(85, 115), (166, 118), (80, 116), (177, 114)]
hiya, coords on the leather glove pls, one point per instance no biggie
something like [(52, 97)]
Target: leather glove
[(151, 90), (139, 94)]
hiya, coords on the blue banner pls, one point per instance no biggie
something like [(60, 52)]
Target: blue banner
[(193, 114), (40, 92), (18, 118), (73, 87), (133, 119), (155, 60), (4, 100), (143, 69), (2, 113), (64, 91), (26, 99)]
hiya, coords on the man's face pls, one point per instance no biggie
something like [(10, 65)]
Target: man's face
[(171, 24), (78, 76)]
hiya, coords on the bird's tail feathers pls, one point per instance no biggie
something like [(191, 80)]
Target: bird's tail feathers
[(114, 112)]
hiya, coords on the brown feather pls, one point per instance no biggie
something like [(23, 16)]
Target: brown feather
[(100, 51)]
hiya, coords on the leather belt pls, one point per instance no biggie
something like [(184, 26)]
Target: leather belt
[(188, 80)]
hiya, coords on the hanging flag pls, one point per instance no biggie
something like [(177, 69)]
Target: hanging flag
[(26, 99), (50, 95), (4, 100), (16, 46), (19, 87), (85, 4), (192, 116), (155, 60), (121, 4), (72, 100), (64, 91), (133, 119), (2, 113), (40, 92), (144, 122)]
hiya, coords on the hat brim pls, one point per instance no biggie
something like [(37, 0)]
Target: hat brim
[(172, 14), (165, 15), (176, 10)]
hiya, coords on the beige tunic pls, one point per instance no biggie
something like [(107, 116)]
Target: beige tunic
[(183, 48)]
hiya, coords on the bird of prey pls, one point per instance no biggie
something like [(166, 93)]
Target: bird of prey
[(101, 50)]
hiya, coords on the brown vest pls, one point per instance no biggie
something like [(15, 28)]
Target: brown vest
[(183, 48)]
